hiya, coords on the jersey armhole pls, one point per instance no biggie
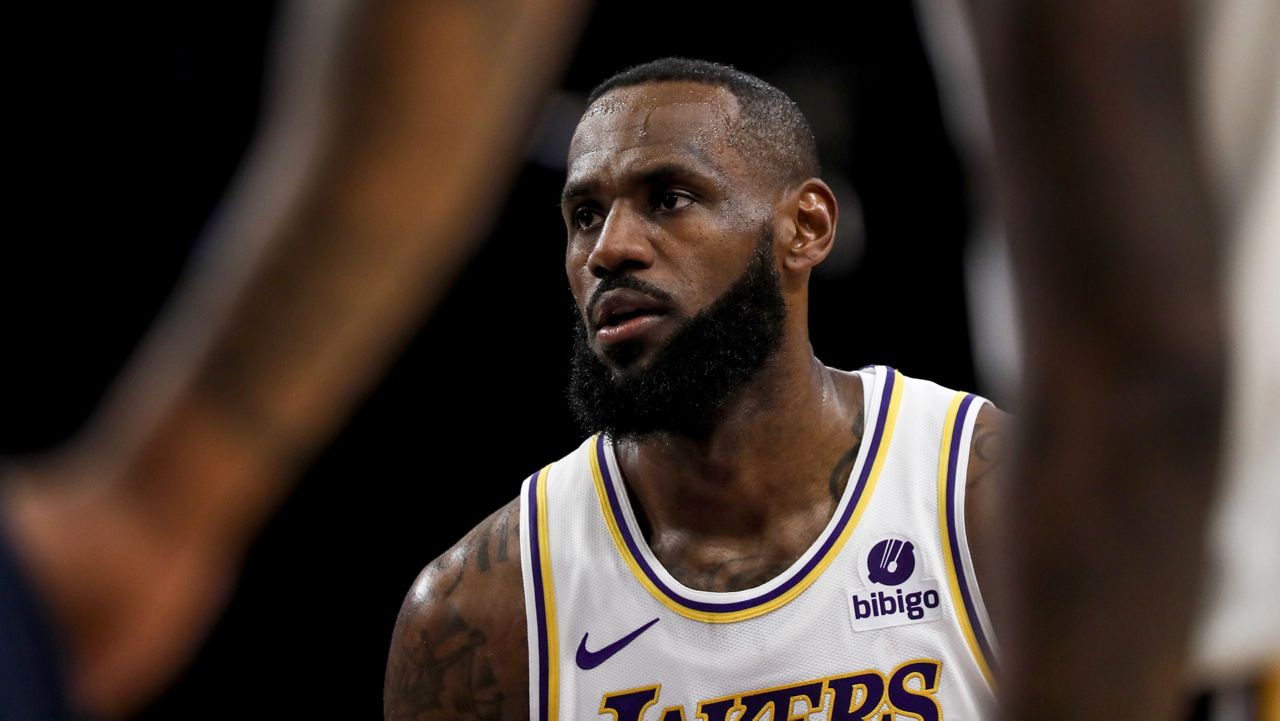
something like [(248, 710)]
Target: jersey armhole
[(962, 471), (966, 593), (867, 375), (539, 599)]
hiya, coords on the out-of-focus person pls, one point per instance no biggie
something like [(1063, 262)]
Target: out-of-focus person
[(353, 212), (1135, 151)]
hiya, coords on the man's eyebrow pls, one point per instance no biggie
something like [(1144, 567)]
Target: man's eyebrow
[(576, 189), (663, 172)]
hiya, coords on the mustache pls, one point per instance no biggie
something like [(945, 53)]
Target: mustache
[(630, 282)]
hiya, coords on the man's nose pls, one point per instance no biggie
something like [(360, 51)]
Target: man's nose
[(622, 244)]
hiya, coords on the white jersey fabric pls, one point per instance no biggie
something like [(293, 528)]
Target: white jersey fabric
[(880, 618)]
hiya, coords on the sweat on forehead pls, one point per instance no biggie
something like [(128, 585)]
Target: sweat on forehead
[(670, 93), (701, 121), (696, 117)]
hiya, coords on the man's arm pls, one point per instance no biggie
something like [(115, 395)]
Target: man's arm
[(1116, 255), (459, 650), (357, 204), (988, 453)]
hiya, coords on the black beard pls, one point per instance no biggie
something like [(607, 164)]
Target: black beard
[(705, 361)]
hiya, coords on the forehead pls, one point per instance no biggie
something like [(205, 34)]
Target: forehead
[(653, 123)]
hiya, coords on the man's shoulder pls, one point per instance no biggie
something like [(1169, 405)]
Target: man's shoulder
[(459, 648), (575, 464), (489, 550), (941, 389), (990, 424), (884, 384)]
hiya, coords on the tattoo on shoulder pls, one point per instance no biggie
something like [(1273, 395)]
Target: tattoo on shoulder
[(495, 539), (502, 530), (987, 452), (488, 544), (439, 667), (442, 672), (476, 550)]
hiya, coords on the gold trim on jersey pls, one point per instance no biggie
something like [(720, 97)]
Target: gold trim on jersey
[(655, 688), (950, 428), (549, 599), (877, 464)]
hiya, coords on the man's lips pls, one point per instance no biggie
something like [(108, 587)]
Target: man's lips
[(623, 313)]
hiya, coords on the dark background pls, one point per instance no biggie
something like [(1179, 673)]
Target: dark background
[(129, 123)]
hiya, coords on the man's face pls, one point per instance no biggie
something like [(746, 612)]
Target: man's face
[(662, 215), (706, 360), (670, 261)]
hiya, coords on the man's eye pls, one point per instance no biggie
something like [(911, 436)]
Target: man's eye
[(671, 200), (585, 218)]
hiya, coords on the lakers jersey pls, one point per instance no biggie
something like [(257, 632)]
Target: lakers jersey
[(879, 619)]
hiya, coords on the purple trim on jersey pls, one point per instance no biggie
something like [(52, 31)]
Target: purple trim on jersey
[(539, 602), (953, 538), (729, 607)]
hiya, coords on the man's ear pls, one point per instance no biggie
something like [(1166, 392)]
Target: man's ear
[(811, 206)]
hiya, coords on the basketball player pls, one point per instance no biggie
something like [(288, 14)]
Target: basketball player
[(749, 532)]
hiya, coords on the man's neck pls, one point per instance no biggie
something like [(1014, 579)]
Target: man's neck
[(770, 468)]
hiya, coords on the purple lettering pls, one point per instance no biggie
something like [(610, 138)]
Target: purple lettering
[(916, 703), (887, 606), (914, 611), (629, 705), (780, 699), (716, 710), (845, 691), (861, 608)]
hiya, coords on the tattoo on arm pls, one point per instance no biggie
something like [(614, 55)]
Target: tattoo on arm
[(987, 454), (482, 553), (452, 570), (440, 665), (443, 673), (496, 535), (504, 527)]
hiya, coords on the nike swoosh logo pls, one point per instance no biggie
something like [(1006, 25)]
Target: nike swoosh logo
[(588, 660)]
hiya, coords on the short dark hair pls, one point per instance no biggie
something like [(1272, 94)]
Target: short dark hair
[(774, 135)]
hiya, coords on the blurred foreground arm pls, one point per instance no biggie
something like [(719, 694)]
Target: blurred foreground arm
[(1117, 259), (387, 122)]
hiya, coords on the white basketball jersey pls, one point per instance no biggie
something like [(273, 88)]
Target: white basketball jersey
[(879, 619)]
